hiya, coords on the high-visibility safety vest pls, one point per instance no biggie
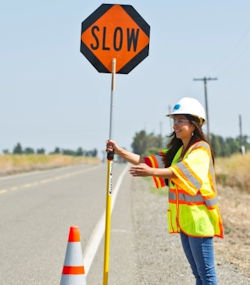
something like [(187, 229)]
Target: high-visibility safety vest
[(193, 202)]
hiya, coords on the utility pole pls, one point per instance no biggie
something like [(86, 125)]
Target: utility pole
[(240, 125), (242, 147), (205, 79)]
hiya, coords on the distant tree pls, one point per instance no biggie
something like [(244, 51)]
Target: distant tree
[(87, 153), (40, 151), (233, 145), (79, 152), (94, 152), (140, 142), (29, 150), (154, 141), (68, 152), (18, 149), (216, 145), (56, 151), (6, 151), (226, 150), (90, 153), (146, 143), (227, 146)]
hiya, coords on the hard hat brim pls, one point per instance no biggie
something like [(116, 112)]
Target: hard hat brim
[(202, 120)]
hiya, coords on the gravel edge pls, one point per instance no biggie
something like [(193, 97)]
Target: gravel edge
[(160, 258)]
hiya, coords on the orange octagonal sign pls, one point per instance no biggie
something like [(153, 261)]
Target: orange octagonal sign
[(115, 31)]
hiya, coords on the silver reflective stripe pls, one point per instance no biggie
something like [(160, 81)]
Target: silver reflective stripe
[(200, 144), (189, 175), (193, 199), (171, 196), (160, 160), (188, 198), (211, 202)]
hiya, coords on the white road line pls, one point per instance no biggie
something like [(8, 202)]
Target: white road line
[(98, 232)]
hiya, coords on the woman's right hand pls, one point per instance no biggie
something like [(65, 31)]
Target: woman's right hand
[(112, 146)]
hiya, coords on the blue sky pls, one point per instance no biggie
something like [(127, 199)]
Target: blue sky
[(52, 96)]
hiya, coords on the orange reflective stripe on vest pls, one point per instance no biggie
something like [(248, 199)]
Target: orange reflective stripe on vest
[(156, 161), (193, 202)]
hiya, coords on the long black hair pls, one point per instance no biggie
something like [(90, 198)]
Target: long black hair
[(176, 143)]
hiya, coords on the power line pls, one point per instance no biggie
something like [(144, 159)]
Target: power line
[(205, 79)]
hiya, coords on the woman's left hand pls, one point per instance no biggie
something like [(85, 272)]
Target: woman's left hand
[(141, 169)]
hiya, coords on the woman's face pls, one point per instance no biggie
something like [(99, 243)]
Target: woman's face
[(182, 127)]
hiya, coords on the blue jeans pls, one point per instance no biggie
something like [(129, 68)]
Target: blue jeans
[(200, 254)]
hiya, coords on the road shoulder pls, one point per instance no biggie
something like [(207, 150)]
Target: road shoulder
[(160, 258)]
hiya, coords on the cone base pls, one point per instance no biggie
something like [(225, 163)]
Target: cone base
[(73, 280)]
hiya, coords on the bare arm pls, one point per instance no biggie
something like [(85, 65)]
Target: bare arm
[(144, 170), (133, 158), (140, 168)]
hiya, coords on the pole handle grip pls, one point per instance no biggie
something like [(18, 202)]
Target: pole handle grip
[(110, 155)]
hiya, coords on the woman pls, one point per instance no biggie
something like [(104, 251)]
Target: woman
[(187, 167)]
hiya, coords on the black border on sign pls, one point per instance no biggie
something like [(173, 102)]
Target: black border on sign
[(93, 59), (95, 16), (85, 25), (134, 61), (130, 10)]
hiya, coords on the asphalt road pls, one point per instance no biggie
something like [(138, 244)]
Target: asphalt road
[(36, 212)]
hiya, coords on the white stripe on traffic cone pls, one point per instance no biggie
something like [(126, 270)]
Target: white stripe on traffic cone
[(73, 270)]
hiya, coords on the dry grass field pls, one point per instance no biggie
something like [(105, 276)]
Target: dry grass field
[(234, 171), (13, 163), (233, 178)]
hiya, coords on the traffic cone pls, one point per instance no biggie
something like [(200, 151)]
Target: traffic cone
[(73, 272)]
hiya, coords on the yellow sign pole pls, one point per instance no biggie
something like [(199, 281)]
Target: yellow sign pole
[(110, 157)]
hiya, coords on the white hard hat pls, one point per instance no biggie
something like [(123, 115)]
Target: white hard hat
[(189, 106)]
